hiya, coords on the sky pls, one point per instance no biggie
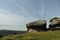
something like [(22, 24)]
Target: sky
[(15, 14)]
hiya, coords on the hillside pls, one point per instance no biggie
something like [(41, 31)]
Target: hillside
[(7, 32), (49, 35)]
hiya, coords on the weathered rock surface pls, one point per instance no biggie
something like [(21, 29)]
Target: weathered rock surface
[(39, 25), (54, 23)]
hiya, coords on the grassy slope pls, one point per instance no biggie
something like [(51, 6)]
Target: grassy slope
[(50, 35)]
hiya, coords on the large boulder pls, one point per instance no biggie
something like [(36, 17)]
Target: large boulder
[(54, 22), (39, 25)]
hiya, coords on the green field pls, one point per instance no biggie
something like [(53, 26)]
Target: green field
[(49, 35)]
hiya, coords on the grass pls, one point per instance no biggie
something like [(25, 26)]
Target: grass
[(49, 35)]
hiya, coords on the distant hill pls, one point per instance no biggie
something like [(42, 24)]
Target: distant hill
[(7, 32)]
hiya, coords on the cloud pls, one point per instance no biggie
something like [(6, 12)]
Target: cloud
[(14, 14), (8, 19)]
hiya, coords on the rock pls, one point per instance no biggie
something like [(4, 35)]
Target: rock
[(54, 23), (39, 25), (55, 20)]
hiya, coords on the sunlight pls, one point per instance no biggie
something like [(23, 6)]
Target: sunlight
[(21, 7), (42, 5)]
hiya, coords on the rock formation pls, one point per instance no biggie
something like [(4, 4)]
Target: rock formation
[(55, 23), (39, 25)]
